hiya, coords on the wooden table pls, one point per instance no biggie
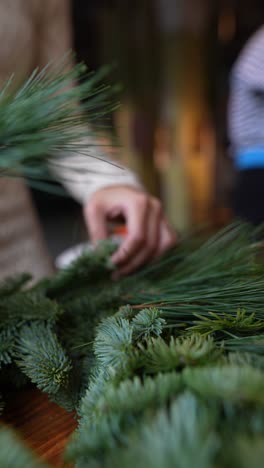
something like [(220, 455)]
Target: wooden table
[(42, 425)]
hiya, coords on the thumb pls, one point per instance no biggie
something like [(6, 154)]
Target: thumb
[(96, 222)]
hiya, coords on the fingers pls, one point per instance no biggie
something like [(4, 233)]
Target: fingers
[(156, 245), (136, 216), (96, 221), (151, 243), (149, 234), (167, 238)]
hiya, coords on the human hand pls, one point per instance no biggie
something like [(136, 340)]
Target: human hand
[(148, 232)]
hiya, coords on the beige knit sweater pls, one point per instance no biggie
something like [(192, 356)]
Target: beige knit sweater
[(33, 33)]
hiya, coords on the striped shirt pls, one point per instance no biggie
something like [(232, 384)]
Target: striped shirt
[(246, 104)]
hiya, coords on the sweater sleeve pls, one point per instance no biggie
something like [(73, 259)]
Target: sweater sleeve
[(85, 173), (92, 169)]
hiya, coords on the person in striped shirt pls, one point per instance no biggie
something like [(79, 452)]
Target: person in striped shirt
[(246, 128)]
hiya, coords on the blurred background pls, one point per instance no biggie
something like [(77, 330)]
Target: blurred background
[(173, 58)]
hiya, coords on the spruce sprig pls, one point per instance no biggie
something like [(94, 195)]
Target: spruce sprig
[(41, 357), (148, 322), (113, 344)]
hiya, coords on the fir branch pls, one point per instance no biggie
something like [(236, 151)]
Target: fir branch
[(182, 437), (126, 312), (134, 397), (244, 359), (116, 410), (21, 307), (92, 266), (162, 357), (82, 314), (41, 357), (233, 383), (101, 440), (96, 302), (146, 323), (13, 284), (98, 382), (7, 345), (113, 344), (131, 397)]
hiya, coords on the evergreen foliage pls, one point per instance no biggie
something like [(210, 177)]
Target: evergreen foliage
[(227, 382), (92, 267), (43, 118), (13, 284), (148, 322), (7, 345), (167, 380), (113, 345), (41, 357), (166, 367), (160, 356), (182, 436), (21, 307)]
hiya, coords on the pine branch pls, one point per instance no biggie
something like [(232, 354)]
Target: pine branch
[(241, 323), (251, 344), (230, 278), (43, 118), (126, 396)]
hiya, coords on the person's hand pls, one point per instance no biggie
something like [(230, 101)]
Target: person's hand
[(148, 232)]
